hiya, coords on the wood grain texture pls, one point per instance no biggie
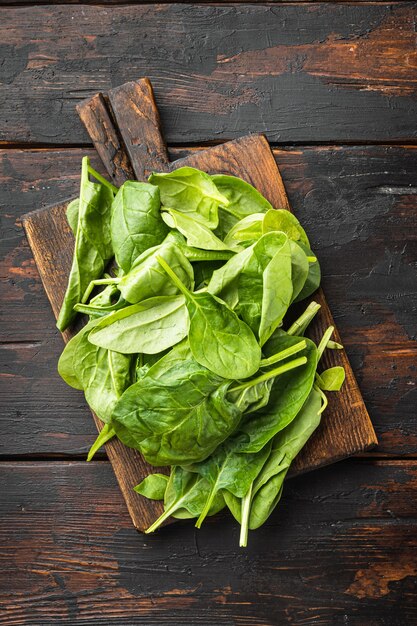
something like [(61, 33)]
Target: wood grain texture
[(299, 73), (341, 549), (104, 134), (356, 203), (137, 117)]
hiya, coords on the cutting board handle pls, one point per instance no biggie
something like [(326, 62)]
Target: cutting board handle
[(125, 128)]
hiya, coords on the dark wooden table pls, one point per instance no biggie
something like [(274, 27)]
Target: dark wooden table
[(333, 86)]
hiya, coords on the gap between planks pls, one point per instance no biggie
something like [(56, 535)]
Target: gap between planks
[(32, 146)]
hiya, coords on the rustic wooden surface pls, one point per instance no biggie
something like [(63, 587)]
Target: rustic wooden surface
[(342, 547)]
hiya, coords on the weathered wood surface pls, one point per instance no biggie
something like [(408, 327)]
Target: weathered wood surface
[(299, 73), (357, 202), (341, 549)]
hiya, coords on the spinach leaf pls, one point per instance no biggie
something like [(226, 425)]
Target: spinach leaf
[(66, 368), (105, 434), (148, 327), (177, 413), (313, 279), (190, 191), (262, 283), (218, 339), (146, 278), (198, 235), (228, 469), (103, 303), (245, 232), (93, 247), (185, 495), (243, 199), (153, 486), (72, 215), (136, 223), (288, 394), (284, 221), (331, 379), (267, 487), (299, 269)]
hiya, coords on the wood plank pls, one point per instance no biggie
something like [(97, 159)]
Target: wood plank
[(102, 130), (341, 548), (137, 117), (356, 203), (298, 72)]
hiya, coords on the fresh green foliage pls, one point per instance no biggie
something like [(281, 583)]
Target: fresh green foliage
[(136, 223), (153, 486), (185, 357), (177, 412), (262, 283), (219, 340), (331, 379), (198, 234), (192, 192), (93, 246), (149, 327), (147, 279)]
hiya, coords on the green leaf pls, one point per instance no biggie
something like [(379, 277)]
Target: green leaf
[(190, 191), (177, 413), (197, 234), (332, 379), (93, 247), (72, 215), (106, 433), (243, 199), (148, 327), (153, 486), (185, 492), (218, 339), (262, 285), (284, 221), (136, 223), (288, 394), (267, 487), (147, 279)]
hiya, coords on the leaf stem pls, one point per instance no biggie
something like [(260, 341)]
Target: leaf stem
[(100, 178), (246, 502), (177, 282), (324, 341), (206, 507), (300, 325), (161, 519), (94, 283), (280, 356), (271, 374)]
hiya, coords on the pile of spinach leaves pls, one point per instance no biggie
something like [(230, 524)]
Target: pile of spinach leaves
[(188, 355)]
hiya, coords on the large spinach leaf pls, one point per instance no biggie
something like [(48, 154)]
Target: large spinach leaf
[(93, 246), (148, 327), (136, 222), (147, 279), (177, 413), (287, 396)]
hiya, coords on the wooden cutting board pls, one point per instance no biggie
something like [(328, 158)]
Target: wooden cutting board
[(125, 128)]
